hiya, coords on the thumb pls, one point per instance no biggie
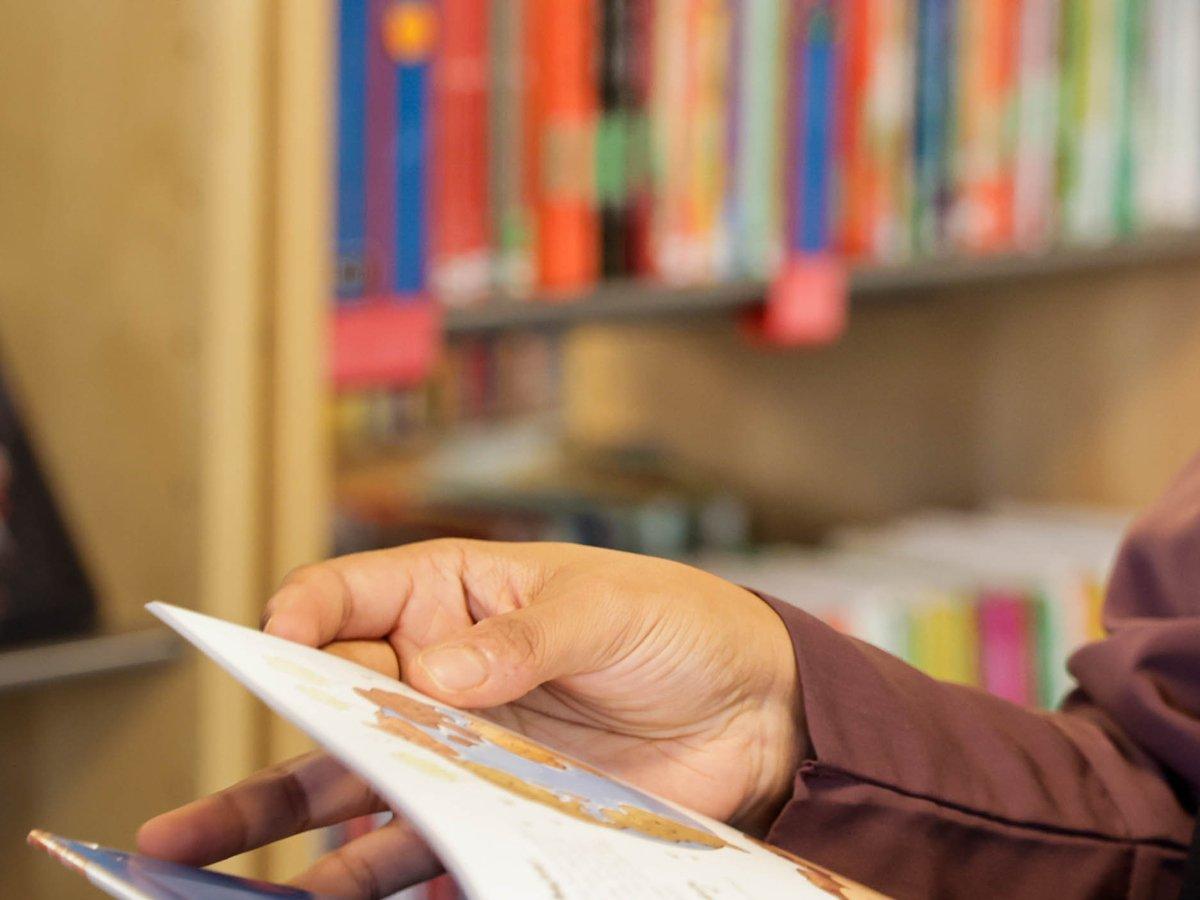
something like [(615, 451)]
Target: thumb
[(504, 657)]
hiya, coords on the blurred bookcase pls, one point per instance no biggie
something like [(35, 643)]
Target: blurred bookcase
[(164, 310)]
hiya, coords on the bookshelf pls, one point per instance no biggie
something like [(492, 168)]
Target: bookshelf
[(80, 657), (638, 301)]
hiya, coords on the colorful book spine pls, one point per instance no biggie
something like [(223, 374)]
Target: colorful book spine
[(933, 124), (613, 137), (671, 100), (639, 177), (351, 196), (943, 640), (889, 101), (813, 124), (1130, 46), (757, 137), (1006, 655), (709, 61), (1034, 200), (511, 226), (381, 170), (562, 100), (983, 214), (1091, 216), (461, 264), (857, 176)]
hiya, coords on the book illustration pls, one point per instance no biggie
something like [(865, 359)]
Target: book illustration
[(131, 876), (507, 816), (527, 769)]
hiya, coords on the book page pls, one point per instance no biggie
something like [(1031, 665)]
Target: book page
[(507, 816)]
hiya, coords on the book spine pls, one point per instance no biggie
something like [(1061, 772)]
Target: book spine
[(856, 179), (410, 35), (813, 124), (613, 137), (984, 203), (381, 170), (511, 213), (710, 143), (1034, 206), (756, 136), (461, 264), (350, 238), (1129, 66), (1092, 217), (670, 139), (932, 124), (1006, 659), (563, 107), (889, 108), (640, 174)]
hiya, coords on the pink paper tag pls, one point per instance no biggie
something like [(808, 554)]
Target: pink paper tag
[(385, 342), (805, 305)]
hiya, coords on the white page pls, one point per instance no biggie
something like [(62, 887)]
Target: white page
[(500, 835)]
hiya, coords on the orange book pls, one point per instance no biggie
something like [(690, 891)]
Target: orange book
[(563, 108), (983, 213)]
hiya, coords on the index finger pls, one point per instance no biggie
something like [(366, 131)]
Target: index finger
[(369, 595)]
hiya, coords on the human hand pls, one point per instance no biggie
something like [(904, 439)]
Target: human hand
[(665, 676)]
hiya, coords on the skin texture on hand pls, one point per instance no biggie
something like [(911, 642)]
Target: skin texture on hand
[(665, 676)]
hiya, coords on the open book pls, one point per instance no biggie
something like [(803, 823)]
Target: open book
[(508, 817)]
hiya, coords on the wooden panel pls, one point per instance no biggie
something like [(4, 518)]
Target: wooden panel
[(89, 767), (1079, 388), (100, 214), (132, 298), (299, 495), (871, 425)]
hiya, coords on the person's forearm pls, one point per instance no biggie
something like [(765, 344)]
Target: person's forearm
[(919, 788)]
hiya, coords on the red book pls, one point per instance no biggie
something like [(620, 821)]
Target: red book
[(858, 176), (563, 108), (460, 270)]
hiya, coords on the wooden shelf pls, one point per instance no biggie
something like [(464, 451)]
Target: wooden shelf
[(636, 300), (40, 664)]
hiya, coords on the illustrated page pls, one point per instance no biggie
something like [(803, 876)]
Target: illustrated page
[(507, 816)]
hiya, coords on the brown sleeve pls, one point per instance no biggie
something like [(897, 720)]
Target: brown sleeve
[(923, 789)]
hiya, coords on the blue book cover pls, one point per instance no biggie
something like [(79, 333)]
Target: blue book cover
[(931, 138), (410, 36), (814, 128), (351, 215), (130, 876)]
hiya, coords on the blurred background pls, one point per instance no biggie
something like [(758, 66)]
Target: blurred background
[(890, 309)]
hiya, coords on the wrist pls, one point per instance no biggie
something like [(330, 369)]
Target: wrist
[(782, 734)]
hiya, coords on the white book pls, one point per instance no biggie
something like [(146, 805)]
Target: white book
[(508, 817)]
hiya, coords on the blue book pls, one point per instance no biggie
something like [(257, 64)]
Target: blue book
[(931, 137), (351, 202), (815, 126), (131, 876), (412, 47)]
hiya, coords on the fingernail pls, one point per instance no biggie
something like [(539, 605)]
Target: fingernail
[(455, 668)]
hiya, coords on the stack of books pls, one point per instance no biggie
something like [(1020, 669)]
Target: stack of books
[(477, 382), (998, 600)]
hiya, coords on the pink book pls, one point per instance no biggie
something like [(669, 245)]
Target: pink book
[(1005, 648)]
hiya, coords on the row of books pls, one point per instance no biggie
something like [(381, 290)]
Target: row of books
[(998, 600), (659, 519), (476, 381), (526, 146)]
